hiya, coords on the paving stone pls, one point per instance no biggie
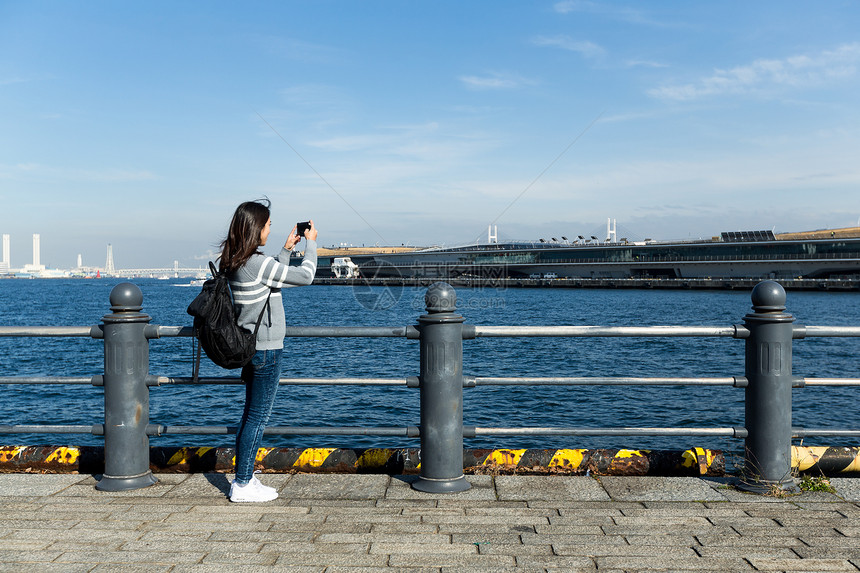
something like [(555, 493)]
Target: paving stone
[(375, 523), (569, 529), (29, 544), (482, 488), (474, 562), (352, 512), (481, 537), (575, 563), (830, 565), (86, 490), (654, 488), (643, 563), (191, 526), (793, 531), (830, 541), (606, 506), (336, 486), (386, 538), (486, 528), (403, 528), (667, 540), (316, 547), (191, 546), (533, 488), (696, 510), (516, 549), (263, 536), (54, 567), (128, 557), (239, 568), (828, 552), (846, 488), (346, 569), (744, 497), (45, 484), (812, 520), (512, 510), (130, 568), (326, 502), (552, 539), (583, 519), (297, 526), (662, 520), (36, 524), (231, 557), (731, 540), (458, 511), (392, 548), (332, 559), (746, 551), (202, 485), (477, 520), (600, 549), (645, 529)]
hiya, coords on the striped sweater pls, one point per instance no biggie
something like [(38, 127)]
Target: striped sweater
[(252, 283)]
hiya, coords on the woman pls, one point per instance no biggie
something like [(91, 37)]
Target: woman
[(256, 281)]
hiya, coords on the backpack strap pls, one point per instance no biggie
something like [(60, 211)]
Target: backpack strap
[(262, 312), (195, 369)]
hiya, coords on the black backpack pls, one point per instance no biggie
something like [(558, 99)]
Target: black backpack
[(226, 343)]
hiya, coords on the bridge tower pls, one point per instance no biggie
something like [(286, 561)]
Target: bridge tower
[(611, 235), (6, 263), (109, 268)]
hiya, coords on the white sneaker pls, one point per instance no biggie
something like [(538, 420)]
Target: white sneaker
[(261, 487), (253, 491)]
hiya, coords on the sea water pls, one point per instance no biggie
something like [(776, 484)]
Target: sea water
[(83, 302)]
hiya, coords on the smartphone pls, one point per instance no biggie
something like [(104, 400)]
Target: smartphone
[(302, 227)]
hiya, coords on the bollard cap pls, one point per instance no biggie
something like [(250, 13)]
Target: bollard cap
[(768, 296), (126, 297), (440, 297)]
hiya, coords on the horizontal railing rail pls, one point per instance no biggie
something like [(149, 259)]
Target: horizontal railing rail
[(714, 432), (767, 382), (610, 331), (49, 331), (468, 381)]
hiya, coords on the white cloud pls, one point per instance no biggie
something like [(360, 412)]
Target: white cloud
[(645, 64), (616, 12), (11, 81), (114, 175), (93, 175), (762, 76), (584, 47), (300, 50), (496, 80)]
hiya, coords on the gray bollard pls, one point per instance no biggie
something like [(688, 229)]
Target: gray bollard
[(126, 393), (441, 390), (767, 449)]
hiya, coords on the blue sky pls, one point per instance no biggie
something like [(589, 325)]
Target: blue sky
[(143, 125)]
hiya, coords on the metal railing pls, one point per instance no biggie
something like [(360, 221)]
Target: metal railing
[(767, 332)]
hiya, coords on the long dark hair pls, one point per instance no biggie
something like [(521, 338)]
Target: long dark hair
[(243, 237)]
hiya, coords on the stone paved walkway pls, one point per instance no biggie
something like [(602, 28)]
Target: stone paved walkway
[(332, 523)]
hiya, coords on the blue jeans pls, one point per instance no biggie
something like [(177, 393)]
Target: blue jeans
[(261, 377)]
